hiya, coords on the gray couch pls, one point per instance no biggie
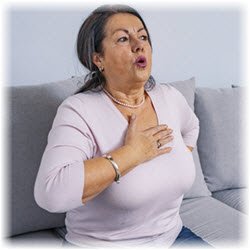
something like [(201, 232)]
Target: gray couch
[(215, 208)]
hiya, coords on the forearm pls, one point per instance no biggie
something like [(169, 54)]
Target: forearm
[(99, 173)]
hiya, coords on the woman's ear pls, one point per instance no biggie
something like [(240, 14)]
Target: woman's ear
[(97, 60)]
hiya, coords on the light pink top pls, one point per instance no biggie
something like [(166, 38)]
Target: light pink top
[(142, 210)]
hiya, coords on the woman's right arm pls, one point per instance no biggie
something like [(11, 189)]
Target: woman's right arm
[(69, 174), (139, 146), (99, 173)]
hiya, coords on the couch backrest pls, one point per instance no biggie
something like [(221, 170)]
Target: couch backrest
[(32, 110), (223, 127)]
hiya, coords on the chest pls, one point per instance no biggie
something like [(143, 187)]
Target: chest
[(164, 178), (110, 124), (146, 117)]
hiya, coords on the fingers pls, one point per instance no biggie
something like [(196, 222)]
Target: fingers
[(156, 129), (160, 134), (164, 150), (147, 143), (132, 122), (165, 140), (163, 134), (150, 131)]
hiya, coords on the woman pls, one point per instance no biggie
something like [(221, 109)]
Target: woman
[(119, 128)]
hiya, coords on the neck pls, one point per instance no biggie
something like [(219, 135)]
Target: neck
[(129, 96)]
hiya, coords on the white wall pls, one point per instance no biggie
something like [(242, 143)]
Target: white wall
[(205, 43)]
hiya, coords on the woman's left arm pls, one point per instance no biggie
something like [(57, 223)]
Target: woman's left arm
[(189, 123)]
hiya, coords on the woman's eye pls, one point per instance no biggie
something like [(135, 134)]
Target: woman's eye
[(122, 39), (144, 37)]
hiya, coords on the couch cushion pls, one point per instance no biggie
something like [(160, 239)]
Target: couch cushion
[(61, 231), (32, 110), (236, 198), (220, 143), (217, 223), (199, 187), (45, 238)]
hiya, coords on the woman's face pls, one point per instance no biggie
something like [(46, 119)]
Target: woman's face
[(127, 54)]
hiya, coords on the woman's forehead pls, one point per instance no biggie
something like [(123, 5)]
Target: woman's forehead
[(122, 21)]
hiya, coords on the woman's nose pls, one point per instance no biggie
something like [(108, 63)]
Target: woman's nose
[(137, 45)]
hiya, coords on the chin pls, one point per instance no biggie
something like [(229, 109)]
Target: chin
[(140, 76), (143, 78)]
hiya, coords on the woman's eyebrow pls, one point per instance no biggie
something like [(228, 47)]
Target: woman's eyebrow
[(126, 31)]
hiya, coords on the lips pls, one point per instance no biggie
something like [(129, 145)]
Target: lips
[(141, 61)]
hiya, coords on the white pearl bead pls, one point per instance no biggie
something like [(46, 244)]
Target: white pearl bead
[(122, 103)]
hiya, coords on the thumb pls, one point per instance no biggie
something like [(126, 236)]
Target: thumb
[(132, 121)]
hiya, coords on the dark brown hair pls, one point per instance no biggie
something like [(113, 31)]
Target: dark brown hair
[(89, 40)]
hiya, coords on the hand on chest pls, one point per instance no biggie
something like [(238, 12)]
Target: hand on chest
[(146, 115)]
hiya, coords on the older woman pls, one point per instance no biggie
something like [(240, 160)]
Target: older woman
[(118, 159)]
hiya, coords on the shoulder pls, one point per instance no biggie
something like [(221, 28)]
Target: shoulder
[(171, 95), (78, 109), (82, 99)]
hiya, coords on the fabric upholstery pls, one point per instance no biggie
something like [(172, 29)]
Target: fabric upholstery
[(43, 238), (199, 188), (220, 143), (32, 110), (215, 222), (236, 198)]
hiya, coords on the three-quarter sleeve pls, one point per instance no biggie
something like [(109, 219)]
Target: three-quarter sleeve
[(189, 123), (59, 184)]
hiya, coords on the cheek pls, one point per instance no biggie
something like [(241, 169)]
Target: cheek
[(117, 65), (121, 59), (149, 53)]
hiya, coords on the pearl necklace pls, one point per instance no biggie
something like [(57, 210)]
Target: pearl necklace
[(122, 103)]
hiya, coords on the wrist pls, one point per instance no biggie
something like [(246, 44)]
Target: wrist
[(125, 158), (132, 154)]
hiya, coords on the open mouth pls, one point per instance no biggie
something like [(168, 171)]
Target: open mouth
[(141, 61)]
